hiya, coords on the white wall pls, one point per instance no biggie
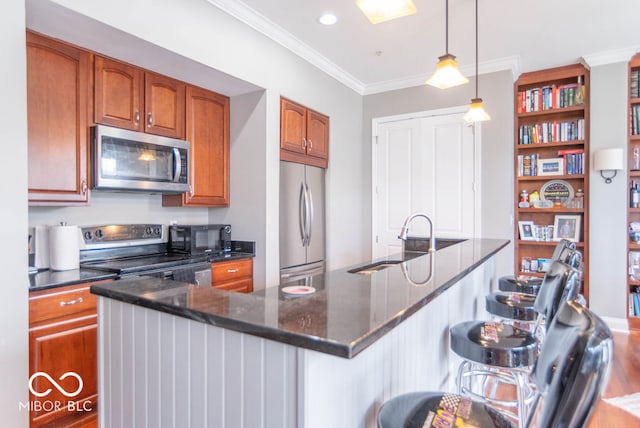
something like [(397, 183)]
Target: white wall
[(14, 357), (608, 221), (496, 89)]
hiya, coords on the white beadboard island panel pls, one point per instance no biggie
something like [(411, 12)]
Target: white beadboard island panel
[(161, 370)]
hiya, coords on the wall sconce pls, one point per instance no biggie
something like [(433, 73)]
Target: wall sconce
[(608, 160)]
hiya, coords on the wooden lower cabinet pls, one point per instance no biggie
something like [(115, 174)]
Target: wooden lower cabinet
[(233, 275), (63, 325)]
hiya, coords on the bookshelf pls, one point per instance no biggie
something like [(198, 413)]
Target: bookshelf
[(551, 140), (633, 213)]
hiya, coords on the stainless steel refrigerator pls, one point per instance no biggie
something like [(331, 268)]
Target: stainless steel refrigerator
[(302, 239)]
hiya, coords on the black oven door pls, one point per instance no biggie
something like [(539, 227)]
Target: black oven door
[(193, 273)]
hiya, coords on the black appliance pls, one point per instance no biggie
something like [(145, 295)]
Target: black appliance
[(139, 249), (200, 239)]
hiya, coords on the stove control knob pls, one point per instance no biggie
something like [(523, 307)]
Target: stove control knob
[(148, 231), (158, 231), (88, 236), (99, 234)]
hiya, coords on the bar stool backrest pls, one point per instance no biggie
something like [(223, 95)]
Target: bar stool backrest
[(564, 246), (561, 283), (572, 368)]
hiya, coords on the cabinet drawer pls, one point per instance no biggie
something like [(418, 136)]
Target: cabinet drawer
[(244, 285), (60, 302), (231, 270)]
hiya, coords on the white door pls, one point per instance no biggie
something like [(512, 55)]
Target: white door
[(425, 163)]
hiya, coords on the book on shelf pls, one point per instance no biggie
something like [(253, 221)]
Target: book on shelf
[(548, 97), (552, 132), (574, 161), (633, 84), (635, 119), (527, 165)]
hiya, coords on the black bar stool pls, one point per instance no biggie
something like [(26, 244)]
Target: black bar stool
[(503, 353), (519, 307), (531, 284), (569, 376)]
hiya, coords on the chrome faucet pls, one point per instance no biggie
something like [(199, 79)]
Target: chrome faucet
[(404, 232)]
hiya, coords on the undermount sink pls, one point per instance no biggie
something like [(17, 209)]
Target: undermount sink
[(421, 245), (374, 267)]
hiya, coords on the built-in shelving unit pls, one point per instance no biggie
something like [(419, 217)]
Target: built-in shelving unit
[(551, 159), (633, 214)]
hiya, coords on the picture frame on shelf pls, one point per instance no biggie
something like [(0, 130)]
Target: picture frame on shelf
[(553, 166), (566, 227), (526, 230)]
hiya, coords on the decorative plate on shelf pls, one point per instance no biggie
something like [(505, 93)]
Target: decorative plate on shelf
[(558, 191), (298, 290)]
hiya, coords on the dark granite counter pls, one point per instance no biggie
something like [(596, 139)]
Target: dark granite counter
[(347, 312), (45, 279)]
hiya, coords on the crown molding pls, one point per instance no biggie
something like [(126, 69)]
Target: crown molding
[(268, 28), (258, 22), (611, 57)]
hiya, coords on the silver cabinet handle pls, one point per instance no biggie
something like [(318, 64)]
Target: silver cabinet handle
[(310, 145), (304, 142), (83, 187), (72, 302), (136, 117), (232, 270), (149, 120)]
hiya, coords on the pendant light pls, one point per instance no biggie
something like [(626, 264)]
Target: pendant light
[(476, 111), (447, 74)]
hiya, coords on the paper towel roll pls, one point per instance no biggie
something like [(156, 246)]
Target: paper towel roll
[(64, 248)]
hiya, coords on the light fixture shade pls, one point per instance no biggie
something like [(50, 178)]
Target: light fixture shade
[(384, 10), (476, 111), (447, 74), (608, 160)]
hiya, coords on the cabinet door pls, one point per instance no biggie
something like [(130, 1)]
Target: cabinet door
[(118, 94), (164, 101), (58, 348), (292, 127), (58, 78), (318, 136), (208, 134)]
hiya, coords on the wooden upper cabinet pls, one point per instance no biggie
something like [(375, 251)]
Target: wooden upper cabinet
[(131, 98), (304, 134), (58, 79), (164, 100), (119, 93), (208, 133), (293, 124), (317, 135)]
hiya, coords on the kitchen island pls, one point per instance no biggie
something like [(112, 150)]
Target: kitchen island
[(181, 355)]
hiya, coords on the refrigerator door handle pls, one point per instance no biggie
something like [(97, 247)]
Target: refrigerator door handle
[(302, 217), (309, 214)]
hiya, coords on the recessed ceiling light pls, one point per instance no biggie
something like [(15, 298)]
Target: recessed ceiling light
[(328, 19)]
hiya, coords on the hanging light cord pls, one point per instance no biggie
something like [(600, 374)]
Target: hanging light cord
[(476, 48), (446, 28)]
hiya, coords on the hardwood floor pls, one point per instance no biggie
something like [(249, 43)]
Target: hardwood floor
[(624, 379)]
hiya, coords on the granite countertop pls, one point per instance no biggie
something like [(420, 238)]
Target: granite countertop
[(46, 279), (347, 312)]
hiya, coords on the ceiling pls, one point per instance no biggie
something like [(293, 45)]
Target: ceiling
[(513, 34)]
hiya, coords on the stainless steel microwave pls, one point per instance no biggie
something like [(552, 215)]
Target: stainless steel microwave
[(130, 160)]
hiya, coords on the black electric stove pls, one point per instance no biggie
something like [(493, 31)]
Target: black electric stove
[(139, 249)]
